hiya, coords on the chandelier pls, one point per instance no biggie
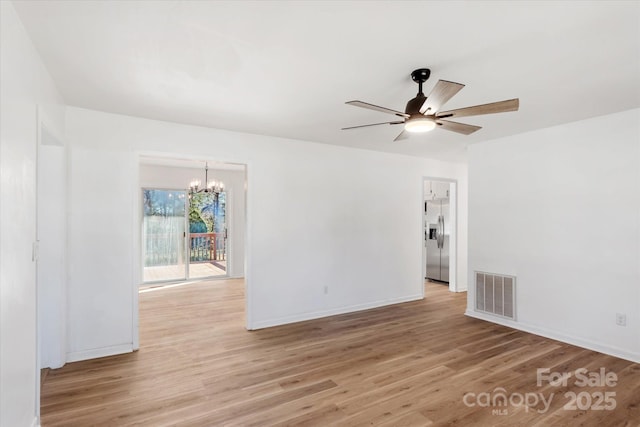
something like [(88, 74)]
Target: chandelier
[(213, 187)]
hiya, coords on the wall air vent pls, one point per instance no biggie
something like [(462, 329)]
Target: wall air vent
[(496, 294)]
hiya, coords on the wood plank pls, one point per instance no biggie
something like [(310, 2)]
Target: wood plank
[(408, 364)]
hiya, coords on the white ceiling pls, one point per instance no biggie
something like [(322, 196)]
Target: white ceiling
[(286, 68), (190, 163)]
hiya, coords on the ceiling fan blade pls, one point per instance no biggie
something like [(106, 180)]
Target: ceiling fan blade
[(494, 107), (457, 127), (402, 135), (376, 108), (440, 94), (374, 124)]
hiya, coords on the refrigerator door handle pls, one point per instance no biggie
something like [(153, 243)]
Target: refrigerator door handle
[(440, 232)]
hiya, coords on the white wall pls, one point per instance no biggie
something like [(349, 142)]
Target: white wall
[(154, 176), (318, 215), (24, 85), (560, 209), (462, 212), (101, 248), (52, 238)]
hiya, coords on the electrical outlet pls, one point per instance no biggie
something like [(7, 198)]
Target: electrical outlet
[(621, 319), (326, 290)]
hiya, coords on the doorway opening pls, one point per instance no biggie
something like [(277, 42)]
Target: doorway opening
[(199, 235), (191, 229), (439, 232)]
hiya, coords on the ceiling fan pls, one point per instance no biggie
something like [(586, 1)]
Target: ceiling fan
[(423, 114)]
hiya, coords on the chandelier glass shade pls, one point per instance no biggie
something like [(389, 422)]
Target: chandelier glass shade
[(213, 186)]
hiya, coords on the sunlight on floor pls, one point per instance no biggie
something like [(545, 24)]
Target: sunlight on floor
[(164, 287)]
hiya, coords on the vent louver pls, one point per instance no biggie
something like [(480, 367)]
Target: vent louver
[(496, 294)]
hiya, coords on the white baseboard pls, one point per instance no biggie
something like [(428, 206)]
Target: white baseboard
[(94, 353), (589, 345), (53, 363), (331, 312)]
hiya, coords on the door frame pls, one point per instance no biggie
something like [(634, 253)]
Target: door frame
[(136, 206), (50, 134), (453, 239)]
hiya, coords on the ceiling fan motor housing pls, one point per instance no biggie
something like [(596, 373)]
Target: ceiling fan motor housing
[(419, 76), (413, 106)]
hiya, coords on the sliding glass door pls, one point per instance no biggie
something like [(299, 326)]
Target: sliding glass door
[(207, 235), (184, 235), (163, 235)]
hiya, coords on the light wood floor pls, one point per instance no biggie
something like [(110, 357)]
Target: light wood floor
[(403, 365), (177, 272)]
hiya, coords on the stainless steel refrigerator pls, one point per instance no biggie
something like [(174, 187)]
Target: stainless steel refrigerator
[(437, 239)]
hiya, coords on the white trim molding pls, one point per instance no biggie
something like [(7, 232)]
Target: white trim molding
[(333, 312), (94, 353), (579, 342)]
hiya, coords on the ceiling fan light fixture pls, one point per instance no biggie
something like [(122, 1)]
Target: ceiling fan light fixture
[(422, 113), (419, 124)]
